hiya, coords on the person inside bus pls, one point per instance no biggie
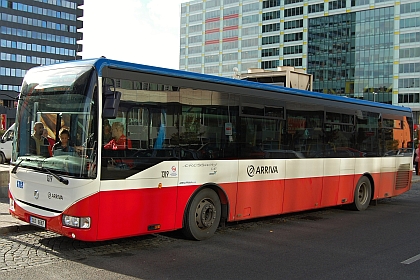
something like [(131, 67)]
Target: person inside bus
[(38, 144), (50, 140), (119, 141), (63, 146), (107, 134), (416, 159)]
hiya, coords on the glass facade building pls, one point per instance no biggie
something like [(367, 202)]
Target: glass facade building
[(358, 48), (33, 33)]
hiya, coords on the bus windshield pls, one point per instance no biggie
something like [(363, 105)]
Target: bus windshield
[(61, 103)]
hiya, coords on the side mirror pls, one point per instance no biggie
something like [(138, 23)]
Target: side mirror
[(111, 104)]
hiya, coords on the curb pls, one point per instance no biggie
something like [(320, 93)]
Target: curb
[(17, 228)]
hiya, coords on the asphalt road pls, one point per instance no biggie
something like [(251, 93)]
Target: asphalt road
[(382, 242)]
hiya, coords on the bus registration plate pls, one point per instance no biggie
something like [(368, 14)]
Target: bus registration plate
[(37, 222)]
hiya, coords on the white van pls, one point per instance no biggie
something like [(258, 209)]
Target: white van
[(6, 144)]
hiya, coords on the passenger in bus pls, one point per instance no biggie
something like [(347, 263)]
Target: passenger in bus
[(38, 144), (416, 159), (63, 146), (50, 140), (107, 134), (119, 141)]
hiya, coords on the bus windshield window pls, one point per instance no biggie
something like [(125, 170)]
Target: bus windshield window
[(55, 122)]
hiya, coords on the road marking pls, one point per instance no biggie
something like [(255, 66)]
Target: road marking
[(411, 260)]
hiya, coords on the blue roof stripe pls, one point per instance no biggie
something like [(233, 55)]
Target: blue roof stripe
[(100, 63)]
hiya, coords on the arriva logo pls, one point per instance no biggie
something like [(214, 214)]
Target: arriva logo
[(252, 171)]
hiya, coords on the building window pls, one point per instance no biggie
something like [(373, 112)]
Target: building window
[(249, 54), (293, 37), (411, 52), (195, 18), (271, 3), (250, 7), (250, 19), (408, 98), (410, 68), (194, 60), (271, 27), (287, 2), (270, 40), (339, 4), (410, 8), (270, 64), (292, 62), (410, 22), (270, 52), (292, 50), (271, 15), (230, 56), (293, 24), (359, 2), (196, 7), (293, 12), (410, 37), (316, 8), (249, 43), (409, 83), (250, 30), (211, 58)]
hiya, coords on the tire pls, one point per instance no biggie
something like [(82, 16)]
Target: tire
[(2, 158), (203, 215), (362, 194)]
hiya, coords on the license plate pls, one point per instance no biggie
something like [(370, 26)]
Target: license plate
[(37, 222)]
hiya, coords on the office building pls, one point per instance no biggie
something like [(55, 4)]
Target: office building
[(33, 33), (365, 49)]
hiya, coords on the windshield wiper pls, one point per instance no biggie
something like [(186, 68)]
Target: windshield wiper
[(14, 170), (60, 179)]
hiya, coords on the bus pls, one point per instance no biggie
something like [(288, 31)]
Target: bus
[(191, 151)]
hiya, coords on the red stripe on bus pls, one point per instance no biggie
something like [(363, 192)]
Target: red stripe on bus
[(124, 213)]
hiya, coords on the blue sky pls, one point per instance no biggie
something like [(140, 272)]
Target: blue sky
[(140, 31)]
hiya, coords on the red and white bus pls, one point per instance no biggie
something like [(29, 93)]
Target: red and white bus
[(192, 151)]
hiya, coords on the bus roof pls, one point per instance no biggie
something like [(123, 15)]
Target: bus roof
[(101, 63)]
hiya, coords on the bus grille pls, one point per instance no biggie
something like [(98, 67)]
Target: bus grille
[(403, 176)]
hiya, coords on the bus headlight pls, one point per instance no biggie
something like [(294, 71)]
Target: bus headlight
[(76, 222)]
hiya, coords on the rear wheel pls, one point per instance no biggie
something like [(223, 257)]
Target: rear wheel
[(362, 194), (203, 215)]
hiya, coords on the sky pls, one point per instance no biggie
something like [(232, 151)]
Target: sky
[(139, 31)]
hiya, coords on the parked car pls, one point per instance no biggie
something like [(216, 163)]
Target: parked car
[(6, 144), (402, 152)]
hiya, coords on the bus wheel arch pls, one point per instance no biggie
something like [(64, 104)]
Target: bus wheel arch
[(363, 193), (205, 209)]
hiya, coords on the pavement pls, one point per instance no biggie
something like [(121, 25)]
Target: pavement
[(10, 224)]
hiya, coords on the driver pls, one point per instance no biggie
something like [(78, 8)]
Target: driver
[(63, 145)]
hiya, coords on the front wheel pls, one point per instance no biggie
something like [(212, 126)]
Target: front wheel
[(203, 215), (362, 194)]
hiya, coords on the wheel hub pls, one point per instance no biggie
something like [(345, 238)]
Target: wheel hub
[(205, 214)]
